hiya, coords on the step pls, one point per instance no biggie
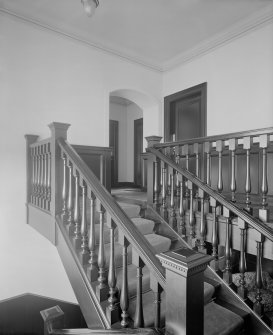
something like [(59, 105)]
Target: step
[(145, 226), (131, 210)]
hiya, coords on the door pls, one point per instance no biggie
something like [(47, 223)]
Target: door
[(113, 142), (138, 148), (185, 114)]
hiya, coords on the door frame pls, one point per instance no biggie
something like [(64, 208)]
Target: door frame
[(192, 92), (137, 123)]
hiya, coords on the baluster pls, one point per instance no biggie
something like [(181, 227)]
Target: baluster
[(45, 177), (92, 270), (69, 207), (48, 177), (207, 149), (32, 198), (232, 147), (35, 175), (157, 290), (247, 143), (156, 200), (227, 275), (39, 186), (64, 190), (181, 209), (112, 311), (77, 232), (191, 215), (185, 152), (263, 212), (242, 291), (214, 263), (177, 182), (196, 150), (139, 319), (172, 214), (258, 306), (124, 295), (84, 254), (219, 149), (201, 247), (102, 289), (163, 208), (41, 177)]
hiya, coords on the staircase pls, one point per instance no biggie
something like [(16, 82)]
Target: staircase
[(108, 249)]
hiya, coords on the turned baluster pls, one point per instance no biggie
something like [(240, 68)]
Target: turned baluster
[(219, 149), (263, 212), (207, 150), (157, 290), (69, 199), (214, 241), (247, 143), (191, 214), (139, 319), (102, 289), (124, 294), (258, 306), (45, 205), (48, 182), (163, 208), (177, 182), (39, 180), (232, 143), (84, 254), (242, 291), (196, 150), (64, 189), (92, 270), (181, 209), (35, 188), (202, 244), (112, 311), (172, 214), (77, 221), (42, 190), (185, 152), (227, 275), (156, 191), (32, 197)]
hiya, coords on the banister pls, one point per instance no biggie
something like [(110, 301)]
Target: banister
[(213, 138), (255, 223), (133, 235)]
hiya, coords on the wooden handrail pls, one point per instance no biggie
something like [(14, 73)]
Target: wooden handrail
[(252, 133), (139, 331), (253, 222), (132, 234)]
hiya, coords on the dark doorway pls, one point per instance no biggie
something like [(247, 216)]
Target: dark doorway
[(185, 114), (138, 148), (113, 142)]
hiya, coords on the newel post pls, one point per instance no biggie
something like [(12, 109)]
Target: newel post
[(184, 290), (58, 130), (151, 140)]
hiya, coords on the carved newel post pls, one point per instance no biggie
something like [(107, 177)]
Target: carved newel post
[(184, 290), (151, 140)]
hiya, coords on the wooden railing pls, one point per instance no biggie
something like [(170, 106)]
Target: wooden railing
[(236, 165), (205, 217)]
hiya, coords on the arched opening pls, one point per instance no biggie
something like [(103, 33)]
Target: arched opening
[(132, 116)]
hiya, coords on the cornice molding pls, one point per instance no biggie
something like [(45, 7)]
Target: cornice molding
[(252, 23), (132, 59), (259, 19)]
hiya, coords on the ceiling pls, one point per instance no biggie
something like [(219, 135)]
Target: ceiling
[(157, 33)]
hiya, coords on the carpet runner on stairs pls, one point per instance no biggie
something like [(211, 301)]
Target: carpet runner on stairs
[(217, 319)]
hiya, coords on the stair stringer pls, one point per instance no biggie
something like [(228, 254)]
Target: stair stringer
[(91, 309), (254, 325)]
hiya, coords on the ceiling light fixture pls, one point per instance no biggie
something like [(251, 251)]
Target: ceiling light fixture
[(90, 6)]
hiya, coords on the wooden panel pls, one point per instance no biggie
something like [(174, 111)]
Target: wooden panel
[(98, 159)]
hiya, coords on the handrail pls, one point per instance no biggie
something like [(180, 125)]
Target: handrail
[(132, 234), (253, 222), (213, 138)]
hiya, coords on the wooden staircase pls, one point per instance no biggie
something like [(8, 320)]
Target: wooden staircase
[(109, 250)]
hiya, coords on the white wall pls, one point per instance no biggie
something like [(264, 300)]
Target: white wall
[(240, 82), (125, 115), (46, 77)]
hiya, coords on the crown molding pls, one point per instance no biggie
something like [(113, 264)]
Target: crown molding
[(259, 19), (130, 58)]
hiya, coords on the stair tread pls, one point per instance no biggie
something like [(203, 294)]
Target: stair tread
[(145, 226), (131, 210)]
